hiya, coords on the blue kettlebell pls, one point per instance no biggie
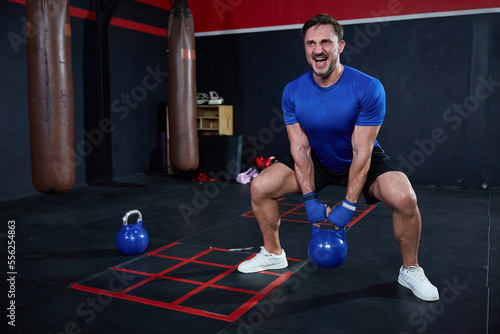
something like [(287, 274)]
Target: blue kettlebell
[(327, 248), (132, 239)]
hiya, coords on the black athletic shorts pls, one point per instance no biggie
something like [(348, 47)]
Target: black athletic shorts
[(323, 176)]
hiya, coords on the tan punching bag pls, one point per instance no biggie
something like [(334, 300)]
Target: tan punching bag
[(50, 95), (184, 155)]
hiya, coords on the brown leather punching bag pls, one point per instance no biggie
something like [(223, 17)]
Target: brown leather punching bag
[(181, 54), (50, 95)]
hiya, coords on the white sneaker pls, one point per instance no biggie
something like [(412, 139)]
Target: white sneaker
[(201, 98), (414, 279), (264, 261), (215, 98)]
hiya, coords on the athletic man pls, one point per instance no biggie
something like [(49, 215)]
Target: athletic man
[(333, 114)]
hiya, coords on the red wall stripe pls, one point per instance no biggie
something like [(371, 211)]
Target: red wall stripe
[(82, 13), (217, 15), (115, 21), (220, 15)]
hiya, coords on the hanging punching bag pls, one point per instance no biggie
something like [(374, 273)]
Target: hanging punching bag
[(181, 55), (50, 95)]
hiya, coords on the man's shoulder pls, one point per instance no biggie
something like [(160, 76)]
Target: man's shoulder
[(298, 84), (358, 75), (303, 78), (362, 82)]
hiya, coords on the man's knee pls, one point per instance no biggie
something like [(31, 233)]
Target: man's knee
[(408, 201), (257, 187), (409, 198), (273, 182), (263, 186), (395, 190)]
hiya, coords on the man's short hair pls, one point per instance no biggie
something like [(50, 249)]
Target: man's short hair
[(323, 19)]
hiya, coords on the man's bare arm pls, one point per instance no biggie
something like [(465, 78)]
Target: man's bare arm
[(301, 153), (363, 139)]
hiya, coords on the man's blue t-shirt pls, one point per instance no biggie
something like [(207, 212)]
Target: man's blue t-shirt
[(328, 115)]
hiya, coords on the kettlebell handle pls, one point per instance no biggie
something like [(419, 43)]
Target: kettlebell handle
[(339, 231), (131, 212)]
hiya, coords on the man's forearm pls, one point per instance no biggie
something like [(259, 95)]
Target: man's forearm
[(357, 176), (304, 170)]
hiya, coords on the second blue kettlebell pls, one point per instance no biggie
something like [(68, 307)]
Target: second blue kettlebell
[(132, 239)]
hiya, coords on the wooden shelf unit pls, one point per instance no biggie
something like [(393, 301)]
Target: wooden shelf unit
[(215, 120)]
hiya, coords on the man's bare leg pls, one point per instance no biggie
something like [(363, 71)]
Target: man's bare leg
[(394, 190), (272, 183)]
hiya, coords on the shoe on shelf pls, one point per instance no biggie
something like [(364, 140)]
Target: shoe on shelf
[(201, 98), (414, 279), (215, 98), (264, 261)]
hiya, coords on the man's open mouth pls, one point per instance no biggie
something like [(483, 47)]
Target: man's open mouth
[(320, 59)]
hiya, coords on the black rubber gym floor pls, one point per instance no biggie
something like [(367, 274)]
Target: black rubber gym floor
[(67, 276)]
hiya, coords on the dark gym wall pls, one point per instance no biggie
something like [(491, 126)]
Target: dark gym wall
[(441, 124), (15, 169), (137, 68), (139, 82)]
